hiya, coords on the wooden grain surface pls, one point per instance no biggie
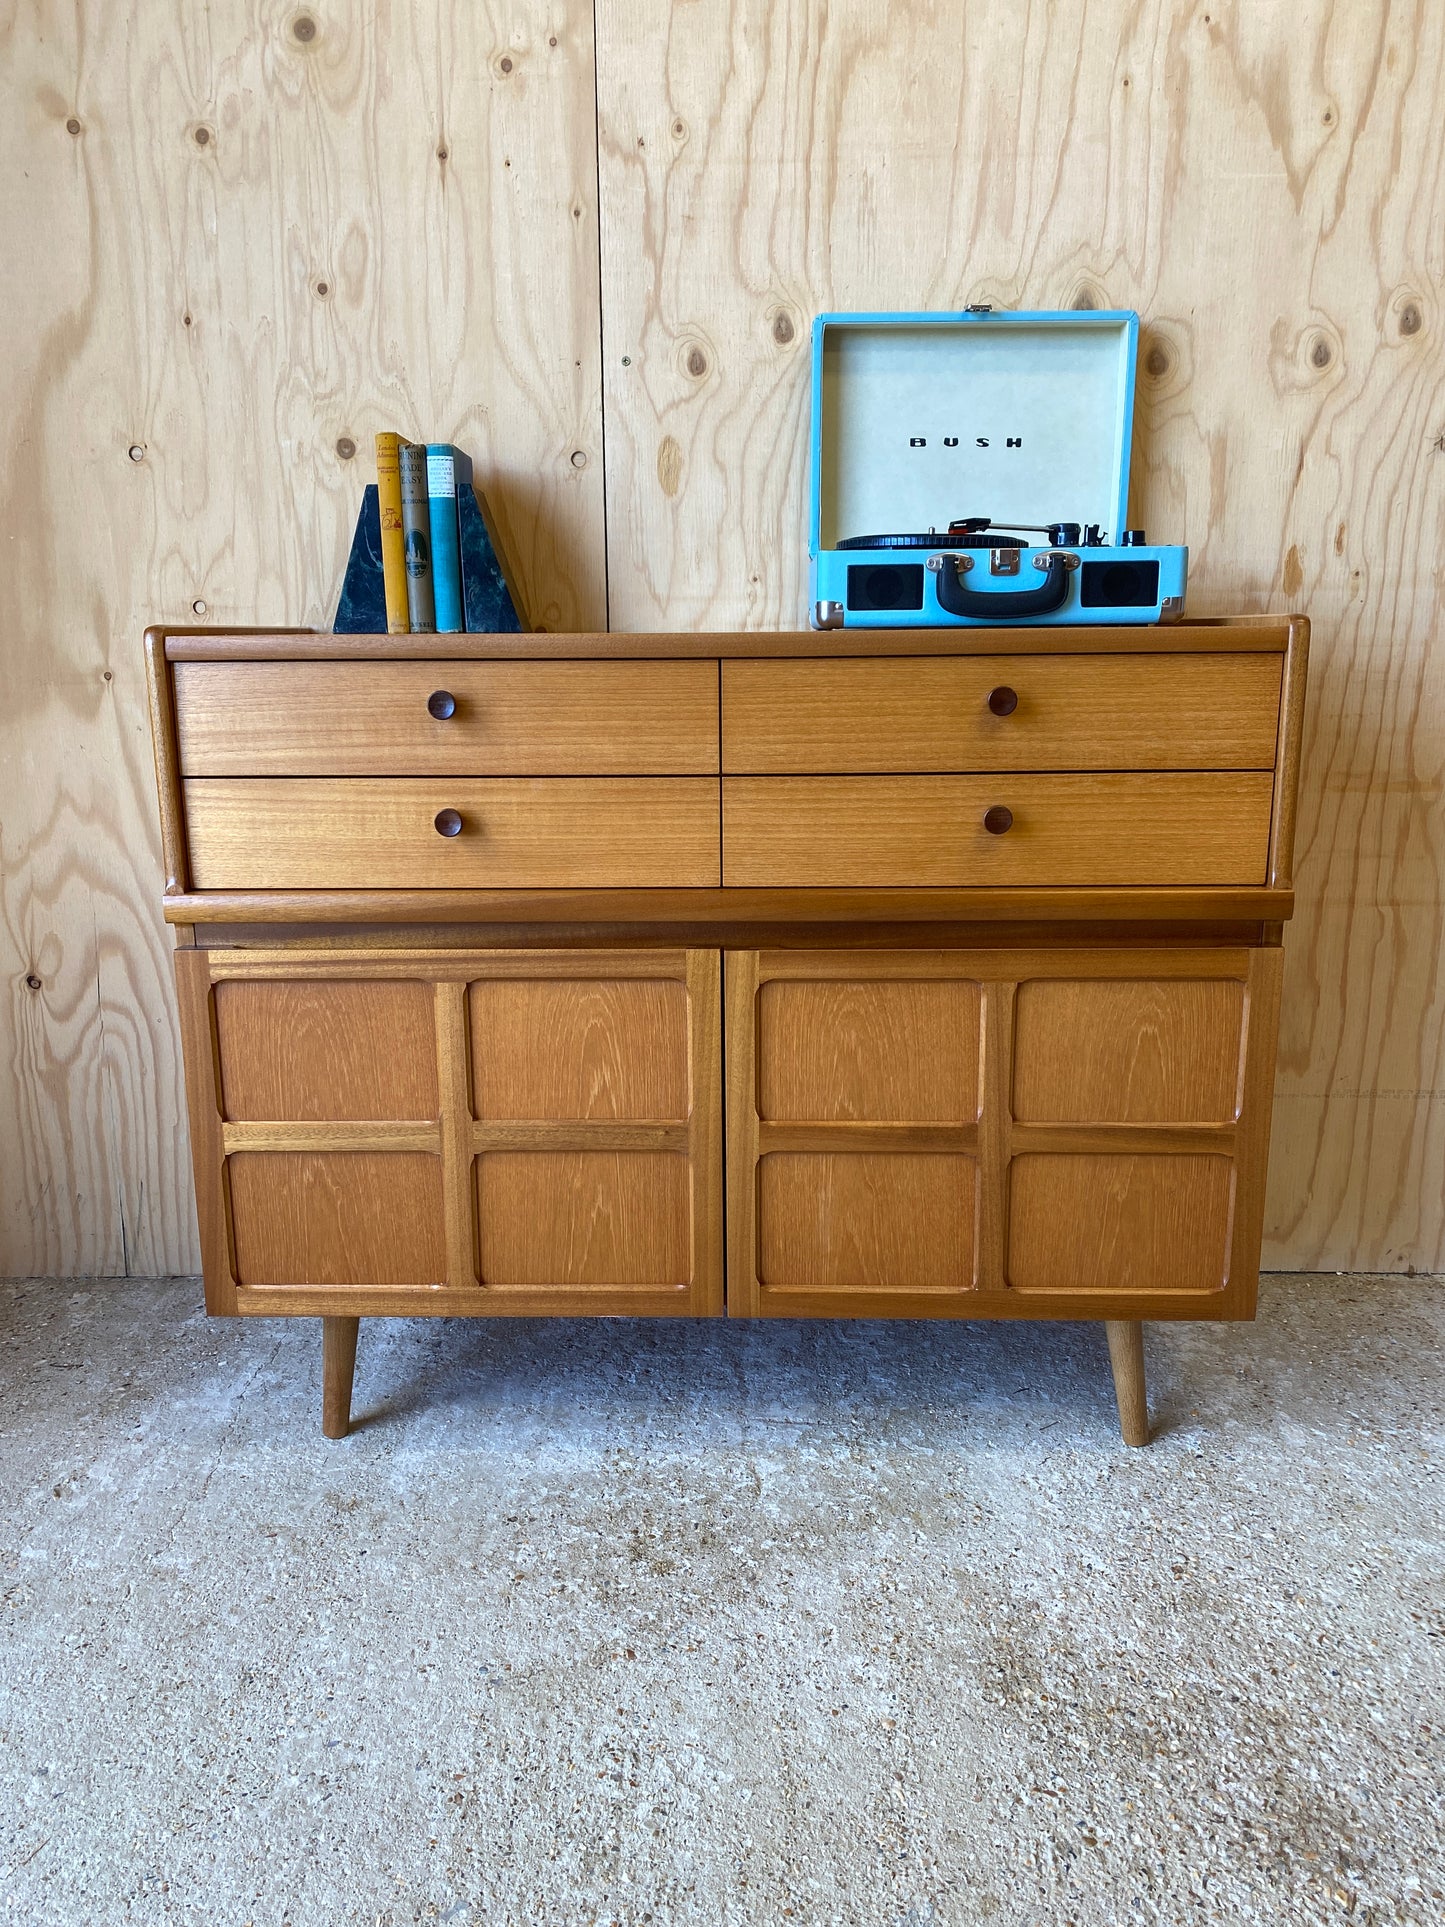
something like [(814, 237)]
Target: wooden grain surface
[(337, 1218), (313, 1051), (510, 719), (900, 1051), (233, 254), (568, 832), (732, 916), (1127, 1052), (569, 1048), (851, 1222), (855, 831), (557, 1145), (1232, 635), (1119, 1181), (1100, 1223), (577, 1221), (1071, 713), (202, 1064), (1264, 184)]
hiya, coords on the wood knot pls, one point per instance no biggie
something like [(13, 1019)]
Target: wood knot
[(345, 447), (198, 607), (32, 982), (323, 288), (442, 154), (1409, 319), (1085, 299), (202, 137), (304, 28), (783, 329), (72, 126), (506, 63), (696, 361), (1158, 361), (1321, 354)]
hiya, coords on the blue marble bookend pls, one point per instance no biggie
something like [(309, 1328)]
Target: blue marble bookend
[(488, 602), (362, 608)]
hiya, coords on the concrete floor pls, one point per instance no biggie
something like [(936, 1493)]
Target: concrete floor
[(613, 1622)]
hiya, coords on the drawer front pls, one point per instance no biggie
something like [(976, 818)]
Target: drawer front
[(563, 833), (1060, 713), (922, 832), (507, 718)]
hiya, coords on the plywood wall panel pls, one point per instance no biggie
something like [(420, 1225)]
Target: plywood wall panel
[(239, 240), (1266, 185)]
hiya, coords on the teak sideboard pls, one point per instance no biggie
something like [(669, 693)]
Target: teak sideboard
[(916, 974)]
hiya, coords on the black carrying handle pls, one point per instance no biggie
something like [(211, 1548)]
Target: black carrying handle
[(1005, 605)]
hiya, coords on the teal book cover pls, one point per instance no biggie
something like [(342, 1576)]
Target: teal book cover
[(447, 470)]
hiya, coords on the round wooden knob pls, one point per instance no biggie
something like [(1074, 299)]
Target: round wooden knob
[(995, 821), (449, 822), (442, 703), (1003, 701)]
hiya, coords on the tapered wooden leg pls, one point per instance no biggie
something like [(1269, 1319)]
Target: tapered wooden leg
[(338, 1368), (1126, 1355)]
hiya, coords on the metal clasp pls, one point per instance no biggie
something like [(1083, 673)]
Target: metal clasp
[(1003, 561)]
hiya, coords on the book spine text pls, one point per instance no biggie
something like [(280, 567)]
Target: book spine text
[(393, 542), (416, 532), (446, 555)]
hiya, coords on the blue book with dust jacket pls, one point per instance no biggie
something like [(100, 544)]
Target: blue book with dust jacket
[(447, 471)]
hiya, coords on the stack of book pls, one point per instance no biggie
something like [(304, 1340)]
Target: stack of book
[(417, 484)]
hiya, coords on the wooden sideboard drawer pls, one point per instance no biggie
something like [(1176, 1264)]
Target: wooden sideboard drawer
[(923, 832), (1121, 712), (506, 718), (324, 833)]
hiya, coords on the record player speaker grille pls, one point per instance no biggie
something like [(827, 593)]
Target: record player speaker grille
[(885, 585)]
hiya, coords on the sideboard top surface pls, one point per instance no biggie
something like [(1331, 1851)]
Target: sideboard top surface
[(1228, 634)]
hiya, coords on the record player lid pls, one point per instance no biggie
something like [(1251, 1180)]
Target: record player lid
[(919, 419)]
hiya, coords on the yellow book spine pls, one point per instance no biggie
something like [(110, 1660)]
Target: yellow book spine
[(393, 545)]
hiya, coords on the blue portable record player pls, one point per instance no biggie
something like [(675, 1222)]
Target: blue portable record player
[(1022, 419)]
